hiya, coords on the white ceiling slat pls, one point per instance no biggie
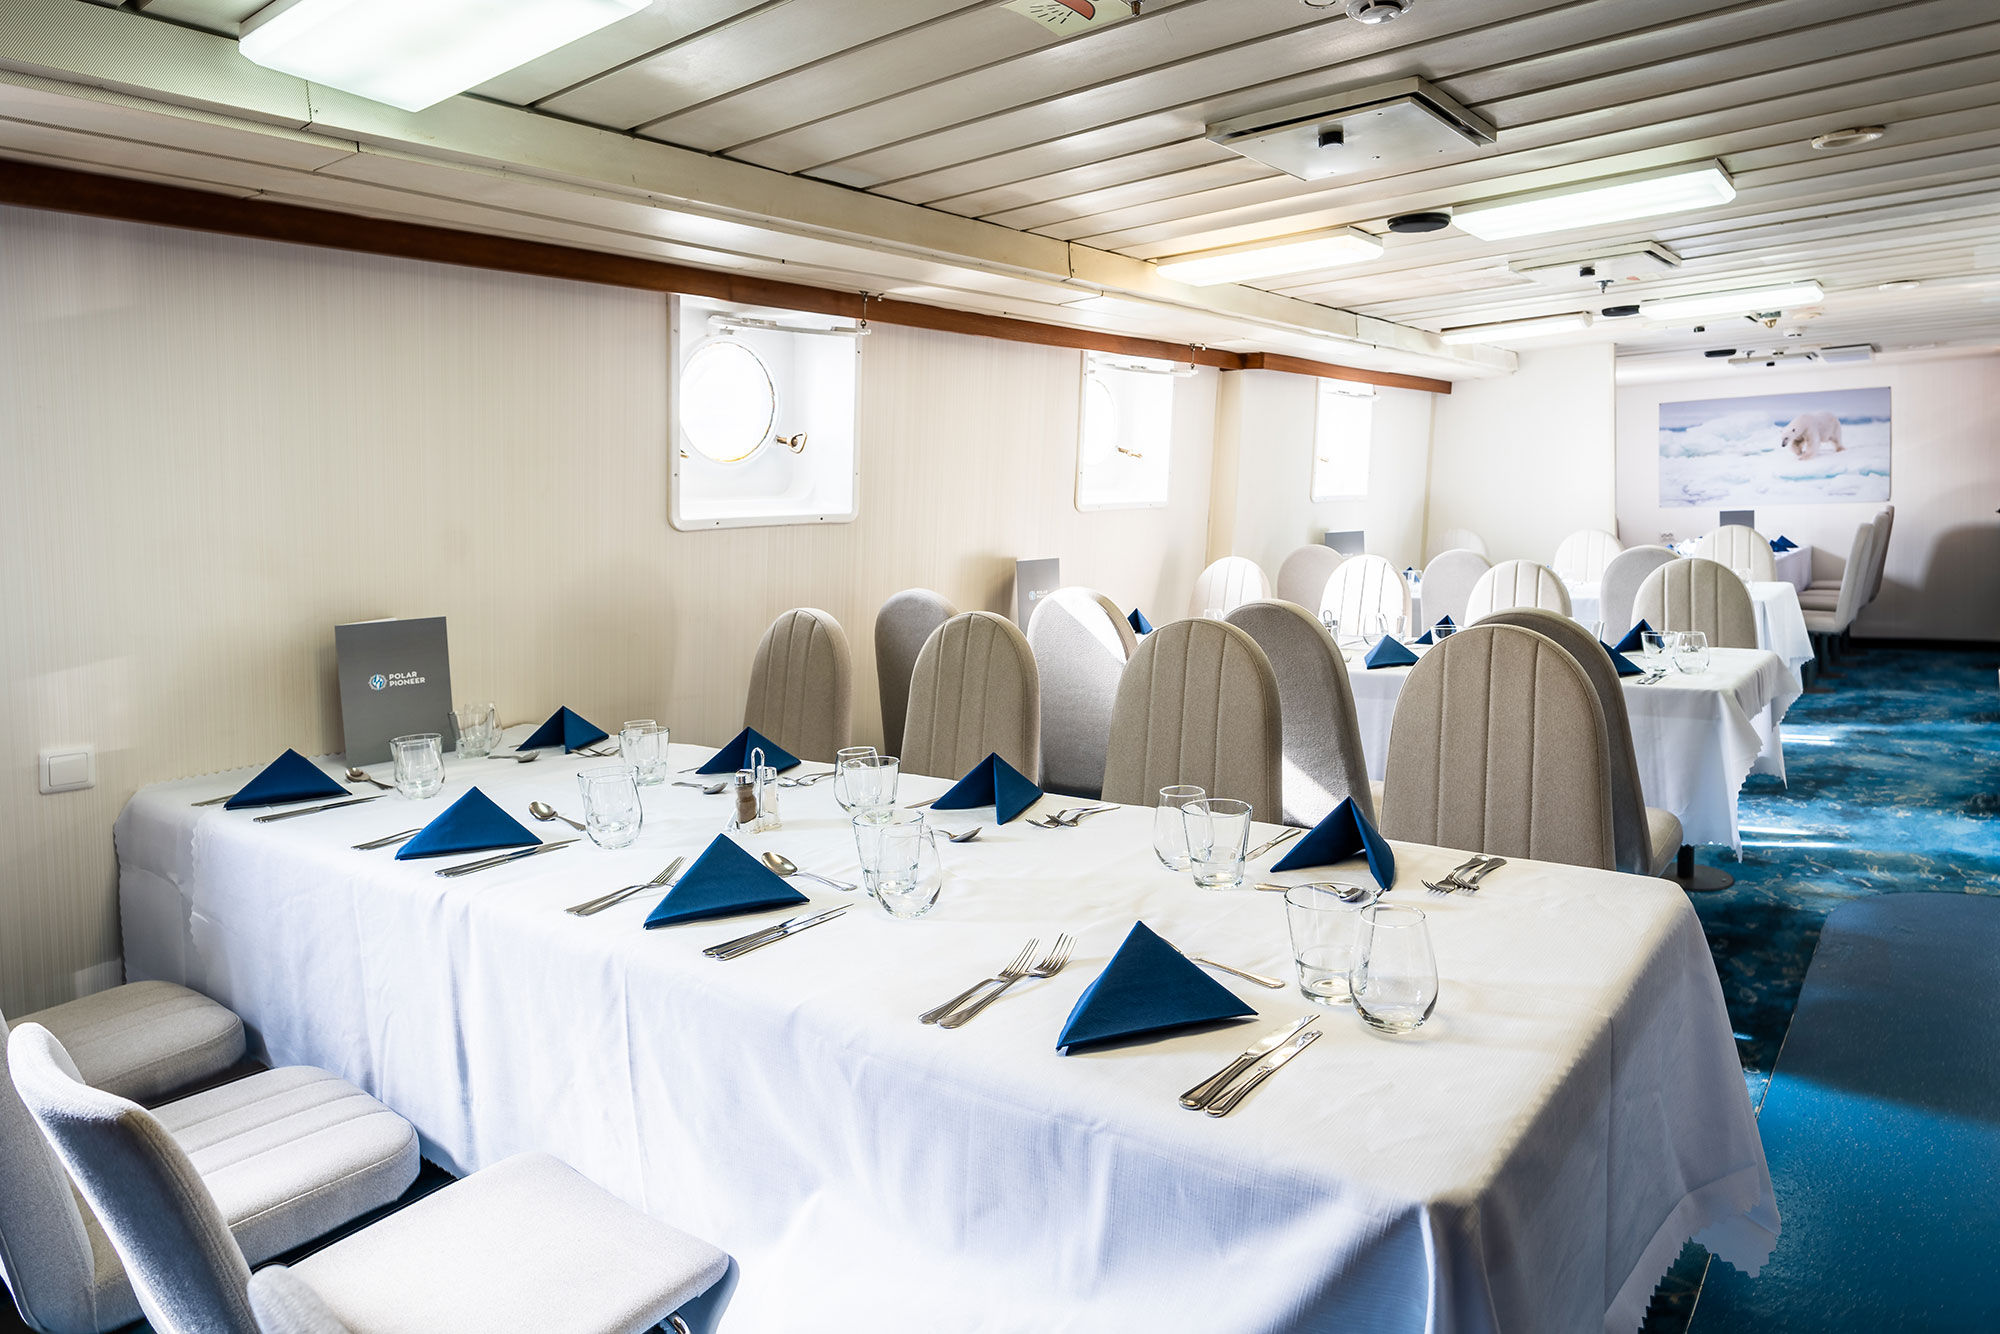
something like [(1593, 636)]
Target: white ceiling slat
[(221, 16), (1135, 194), (1102, 174), (646, 33)]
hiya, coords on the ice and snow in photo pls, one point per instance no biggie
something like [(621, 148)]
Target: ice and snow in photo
[(1776, 449)]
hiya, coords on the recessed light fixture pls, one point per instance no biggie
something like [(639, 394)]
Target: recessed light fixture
[(1899, 285), (1852, 137), (1507, 331), (413, 55), (1565, 208), (1744, 301), (1268, 259)]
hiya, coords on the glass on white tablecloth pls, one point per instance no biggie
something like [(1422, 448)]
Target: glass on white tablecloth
[(1690, 651), (1393, 979), (419, 764), (840, 759), (1170, 825), (1218, 836), (612, 815), (643, 744), (899, 860), (869, 781), (1322, 924), (478, 727)]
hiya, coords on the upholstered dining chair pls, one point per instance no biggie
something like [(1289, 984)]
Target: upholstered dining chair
[(1198, 704), (1582, 556), (1704, 595), (1824, 595), (525, 1245), (1647, 838), (1456, 539), (1448, 582), (1883, 523), (1363, 588), (1323, 763), (976, 691), (1739, 548), (1622, 577), (1081, 643), (802, 685), (905, 621), (1302, 578), (145, 1039), (1499, 745), (1853, 588), (1516, 583), (1229, 582)]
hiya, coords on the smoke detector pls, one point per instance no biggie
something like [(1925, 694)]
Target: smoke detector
[(1377, 11)]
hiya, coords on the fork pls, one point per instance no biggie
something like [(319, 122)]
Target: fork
[(1069, 817), (1471, 882), (1007, 974), (1051, 964), (1450, 881), (618, 896)]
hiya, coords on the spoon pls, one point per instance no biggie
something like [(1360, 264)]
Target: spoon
[(785, 866), (706, 789), (363, 776), (1345, 893), (966, 837), (541, 810), (519, 757)]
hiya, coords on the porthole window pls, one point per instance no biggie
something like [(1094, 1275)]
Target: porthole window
[(1100, 420), (1125, 430), (728, 403)]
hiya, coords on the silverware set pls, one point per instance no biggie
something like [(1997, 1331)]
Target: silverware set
[(1261, 979), (1215, 1095), (488, 863), (805, 780), (1464, 878), (314, 810), (1270, 843), (388, 840), (1069, 817), (757, 940), (1651, 678), (960, 1009), (617, 896), (358, 775)]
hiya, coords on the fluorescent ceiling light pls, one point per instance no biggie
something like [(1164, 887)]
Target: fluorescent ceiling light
[(1507, 331), (415, 53), (1268, 259), (1644, 194), (1745, 301)]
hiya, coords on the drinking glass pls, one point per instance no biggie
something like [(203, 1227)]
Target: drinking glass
[(1170, 826), (840, 759), (419, 760), (1218, 833), (871, 781), (900, 867), (1387, 625), (643, 742), (1691, 651), (1393, 978), (1653, 647), (1323, 925), (612, 814), (1212, 613), (478, 730)]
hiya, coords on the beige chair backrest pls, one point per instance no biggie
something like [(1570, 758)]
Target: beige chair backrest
[(1622, 577), (901, 627), (1198, 704), (975, 692), (1515, 583), (1302, 578), (1323, 761), (1704, 595), (1363, 588), (1738, 548), (802, 685), (1630, 837), (1081, 643), (1229, 582), (1498, 745), (1583, 555), (1854, 579), (1457, 539), (1448, 582), (1883, 523)]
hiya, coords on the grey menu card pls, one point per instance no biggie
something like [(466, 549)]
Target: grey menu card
[(1353, 543), (1745, 518), (1033, 581), (395, 679)]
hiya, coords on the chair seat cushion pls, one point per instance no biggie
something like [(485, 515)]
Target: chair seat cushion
[(526, 1244), (145, 1038), (1823, 623), (292, 1154), (1663, 836), (1817, 599)]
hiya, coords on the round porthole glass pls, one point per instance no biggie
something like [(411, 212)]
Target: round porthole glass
[(1100, 420), (728, 403)]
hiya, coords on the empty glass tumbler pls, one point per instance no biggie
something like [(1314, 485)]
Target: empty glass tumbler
[(478, 730), (1653, 647), (419, 761), (900, 867), (612, 814), (868, 782), (1322, 924), (1393, 978), (840, 759), (1218, 834), (1691, 651), (1170, 825), (643, 744)]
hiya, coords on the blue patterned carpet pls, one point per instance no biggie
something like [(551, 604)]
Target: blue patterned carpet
[(1894, 788)]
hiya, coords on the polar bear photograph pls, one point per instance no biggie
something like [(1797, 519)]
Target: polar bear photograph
[(1822, 447)]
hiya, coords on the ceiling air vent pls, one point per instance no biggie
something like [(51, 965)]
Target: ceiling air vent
[(1397, 126), (1836, 356), (1652, 260)]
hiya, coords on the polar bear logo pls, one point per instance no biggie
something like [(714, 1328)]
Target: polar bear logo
[(1810, 430)]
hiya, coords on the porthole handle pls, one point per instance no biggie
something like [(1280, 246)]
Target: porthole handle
[(795, 443)]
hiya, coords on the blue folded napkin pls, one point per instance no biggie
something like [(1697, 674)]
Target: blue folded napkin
[(1140, 625), (290, 777), (1625, 666), (1630, 643), (1783, 543), (724, 881), (470, 824), (568, 729), (1389, 652), (1344, 833), (991, 782), (1148, 986), (1425, 638), (736, 755)]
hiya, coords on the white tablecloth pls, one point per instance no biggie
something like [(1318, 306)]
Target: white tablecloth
[(1795, 566), (1532, 1159), (1781, 622), (1697, 737)]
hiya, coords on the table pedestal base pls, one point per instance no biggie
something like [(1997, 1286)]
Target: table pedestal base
[(1697, 879)]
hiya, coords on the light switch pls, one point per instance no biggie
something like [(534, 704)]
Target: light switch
[(68, 770)]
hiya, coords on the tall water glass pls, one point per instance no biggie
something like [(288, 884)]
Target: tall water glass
[(1218, 834), (612, 814), (1691, 651), (643, 744), (840, 759), (1170, 825), (1653, 648), (870, 781), (1387, 626), (1322, 925), (478, 728), (900, 867), (419, 760), (1393, 979)]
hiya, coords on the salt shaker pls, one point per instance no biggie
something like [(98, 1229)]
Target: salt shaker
[(746, 800)]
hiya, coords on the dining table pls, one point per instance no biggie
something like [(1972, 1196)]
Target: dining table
[(1531, 1158), (1781, 621)]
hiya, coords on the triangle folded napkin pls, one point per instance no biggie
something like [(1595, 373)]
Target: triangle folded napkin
[(1389, 652), (1140, 625), (1624, 665), (1342, 834), (568, 729), (1783, 543), (1630, 643), (991, 782), (1148, 986), (724, 881), (470, 824), (1425, 638), (290, 777), (736, 755)]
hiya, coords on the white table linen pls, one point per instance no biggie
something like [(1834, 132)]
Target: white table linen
[(1532, 1159), (1795, 566), (1781, 622)]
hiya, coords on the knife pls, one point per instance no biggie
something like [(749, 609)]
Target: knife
[(467, 868), (213, 801), (315, 810), (384, 842), (1268, 844), (1197, 1097), (1227, 1103), (770, 936), (728, 945)]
